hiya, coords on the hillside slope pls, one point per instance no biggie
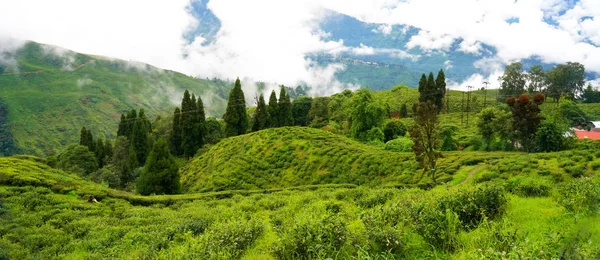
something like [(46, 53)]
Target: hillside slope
[(296, 156), (51, 93)]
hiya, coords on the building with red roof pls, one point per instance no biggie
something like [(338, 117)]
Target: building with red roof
[(587, 135)]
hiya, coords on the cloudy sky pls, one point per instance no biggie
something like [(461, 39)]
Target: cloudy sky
[(268, 39)]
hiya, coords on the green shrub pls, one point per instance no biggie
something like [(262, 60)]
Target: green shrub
[(576, 171), (401, 144), (473, 205), (312, 238), (530, 188), (581, 195)]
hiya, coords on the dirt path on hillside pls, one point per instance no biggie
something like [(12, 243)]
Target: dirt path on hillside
[(472, 172)]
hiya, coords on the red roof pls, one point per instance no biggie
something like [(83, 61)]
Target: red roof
[(588, 135)]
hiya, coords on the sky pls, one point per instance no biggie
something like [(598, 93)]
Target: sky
[(268, 40)]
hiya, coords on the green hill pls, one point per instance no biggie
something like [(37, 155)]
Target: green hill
[(51, 93), (296, 156)]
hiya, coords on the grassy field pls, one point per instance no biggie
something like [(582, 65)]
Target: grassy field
[(52, 94), (513, 208)]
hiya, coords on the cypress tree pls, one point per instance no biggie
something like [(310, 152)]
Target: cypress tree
[(236, 120), (122, 126), (89, 140), (176, 133), (286, 118), (83, 137), (130, 124), (423, 88), (188, 109), (260, 115), (440, 84), (432, 90), (200, 124), (160, 174), (140, 138), (273, 111)]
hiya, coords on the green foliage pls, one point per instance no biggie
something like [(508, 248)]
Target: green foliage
[(261, 116), (160, 174), (175, 137), (394, 129), (286, 116), (424, 134), (574, 114), (513, 80), (236, 120), (140, 137), (301, 110), (400, 144), (581, 196), (403, 111), (7, 143), (319, 112), (77, 159), (273, 111), (214, 131), (365, 114), (551, 137), (447, 138), (565, 80), (526, 119), (124, 161), (590, 95)]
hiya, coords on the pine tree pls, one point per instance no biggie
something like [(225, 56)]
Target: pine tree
[(286, 118), (90, 141), (160, 174), (431, 90), (188, 111), (273, 111), (440, 86), (83, 137), (130, 124), (260, 115), (124, 160), (108, 151), (423, 91), (236, 120), (176, 133), (122, 126), (200, 126), (140, 138)]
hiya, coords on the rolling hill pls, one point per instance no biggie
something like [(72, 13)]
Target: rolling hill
[(50, 93)]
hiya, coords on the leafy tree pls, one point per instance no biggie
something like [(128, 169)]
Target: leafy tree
[(526, 118), (551, 137), (590, 95), (425, 135), (572, 113), (140, 141), (77, 159), (273, 111), (236, 120), (494, 123), (537, 79), (393, 129), (448, 141), (440, 83), (565, 79), (301, 109), (513, 80), (261, 116), (160, 174), (214, 131), (403, 111), (286, 117), (107, 175), (176, 133), (365, 114), (340, 106), (318, 115)]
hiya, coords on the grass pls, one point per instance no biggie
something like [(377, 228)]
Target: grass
[(47, 109)]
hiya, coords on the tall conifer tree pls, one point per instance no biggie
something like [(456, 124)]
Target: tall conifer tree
[(140, 137), (160, 174), (176, 133), (423, 91), (440, 86), (286, 118), (260, 115), (200, 124), (273, 111), (236, 120), (188, 109)]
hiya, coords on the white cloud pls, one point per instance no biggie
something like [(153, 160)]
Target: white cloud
[(430, 41), (384, 28), (476, 81)]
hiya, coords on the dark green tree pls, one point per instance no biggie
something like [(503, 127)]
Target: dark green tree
[(565, 80), (77, 159), (214, 131), (286, 116), (83, 137), (140, 140), (160, 174), (122, 131), (513, 80), (432, 92), (393, 129), (300, 109), (440, 87), (100, 152), (423, 89), (550, 137), (91, 144), (236, 119), (365, 114), (124, 161), (176, 133), (108, 151), (449, 143), (425, 136), (537, 79), (591, 95), (403, 111), (260, 115), (200, 125), (273, 111), (188, 121), (318, 115), (130, 124)]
